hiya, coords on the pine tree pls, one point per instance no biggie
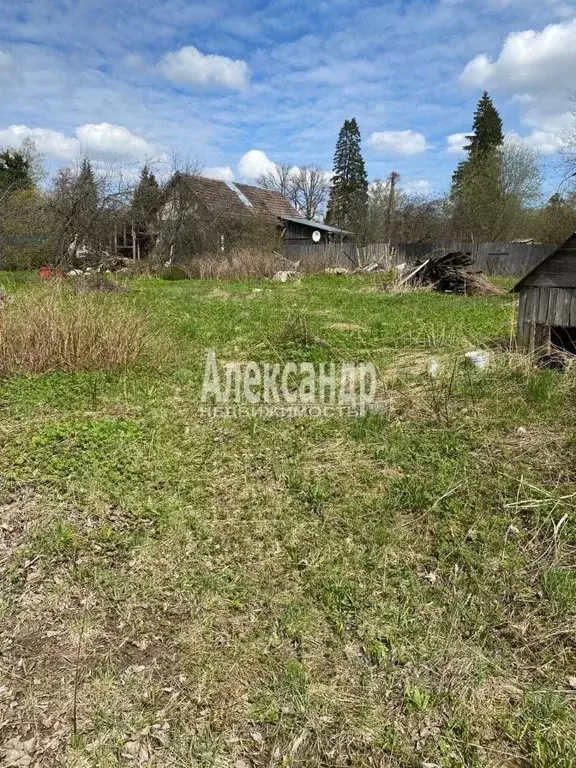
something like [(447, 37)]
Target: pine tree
[(347, 206)]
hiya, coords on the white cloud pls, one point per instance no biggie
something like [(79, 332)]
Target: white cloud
[(113, 139), (101, 138), (455, 143), (398, 142), (544, 141), (191, 67), (530, 62), (255, 163), (51, 143), (224, 173)]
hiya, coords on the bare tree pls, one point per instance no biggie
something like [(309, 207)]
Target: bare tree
[(85, 207), (280, 179), (310, 189)]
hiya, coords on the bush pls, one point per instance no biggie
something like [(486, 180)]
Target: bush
[(51, 329)]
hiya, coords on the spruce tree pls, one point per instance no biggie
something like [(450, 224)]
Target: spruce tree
[(348, 201), (487, 131), (483, 143), (15, 173), (86, 188), (146, 204)]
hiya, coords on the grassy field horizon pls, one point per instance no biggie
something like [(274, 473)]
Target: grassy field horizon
[(391, 590)]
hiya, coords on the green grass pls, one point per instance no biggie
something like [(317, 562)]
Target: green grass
[(393, 590)]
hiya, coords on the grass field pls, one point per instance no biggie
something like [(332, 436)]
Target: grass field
[(393, 590)]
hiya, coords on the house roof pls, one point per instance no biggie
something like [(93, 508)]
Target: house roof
[(267, 201), (239, 199), (569, 245), (233, 199)]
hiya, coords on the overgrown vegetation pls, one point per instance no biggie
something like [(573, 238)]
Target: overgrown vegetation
[(394, 590), (49, 329)]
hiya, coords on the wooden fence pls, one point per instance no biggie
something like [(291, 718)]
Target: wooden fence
[(502, 259)]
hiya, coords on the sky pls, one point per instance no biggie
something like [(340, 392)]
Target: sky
[(240, 84)]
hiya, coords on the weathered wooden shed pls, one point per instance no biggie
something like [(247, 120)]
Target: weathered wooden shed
[(547, 312)]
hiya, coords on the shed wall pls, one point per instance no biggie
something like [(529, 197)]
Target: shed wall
[(542, 308)]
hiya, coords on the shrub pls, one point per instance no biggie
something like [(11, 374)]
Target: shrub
[(51, 329)]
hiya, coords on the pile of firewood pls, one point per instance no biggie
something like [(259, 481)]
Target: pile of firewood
[(450, 273)]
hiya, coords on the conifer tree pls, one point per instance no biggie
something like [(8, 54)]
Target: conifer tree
[(146, 204), (86, 187), (483, 143), (348, 201), (15, 172)]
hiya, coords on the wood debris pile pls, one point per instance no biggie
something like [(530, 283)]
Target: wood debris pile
[(450, 273)]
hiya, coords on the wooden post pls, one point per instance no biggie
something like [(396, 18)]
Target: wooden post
[(394, 177)]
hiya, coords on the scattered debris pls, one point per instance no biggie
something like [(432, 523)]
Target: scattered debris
[(337, 271), (433, 368), (285, 276), (107, 265), (50, 273), (479, 359), (451, 273)]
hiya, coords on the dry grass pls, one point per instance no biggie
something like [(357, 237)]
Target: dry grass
[(50, 329), (241, 265), (249, 264)]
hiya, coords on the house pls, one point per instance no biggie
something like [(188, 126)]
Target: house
[(547, 313), (226, 209)]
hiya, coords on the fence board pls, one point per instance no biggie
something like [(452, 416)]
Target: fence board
[(503, 259)]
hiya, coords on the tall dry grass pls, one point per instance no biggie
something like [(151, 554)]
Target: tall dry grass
[(51, 329), (240, 265), (254, 263)]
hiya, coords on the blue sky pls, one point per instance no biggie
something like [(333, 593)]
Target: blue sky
[(240, 84)]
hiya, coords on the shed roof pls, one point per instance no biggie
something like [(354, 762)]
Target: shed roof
[(316, 225), (557, 270)]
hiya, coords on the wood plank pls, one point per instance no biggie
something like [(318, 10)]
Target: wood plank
[(531, 337), (532, 305), (542, 306), (552, 297), (522, 309), (552, 280), (560, 311), (572, 309)]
